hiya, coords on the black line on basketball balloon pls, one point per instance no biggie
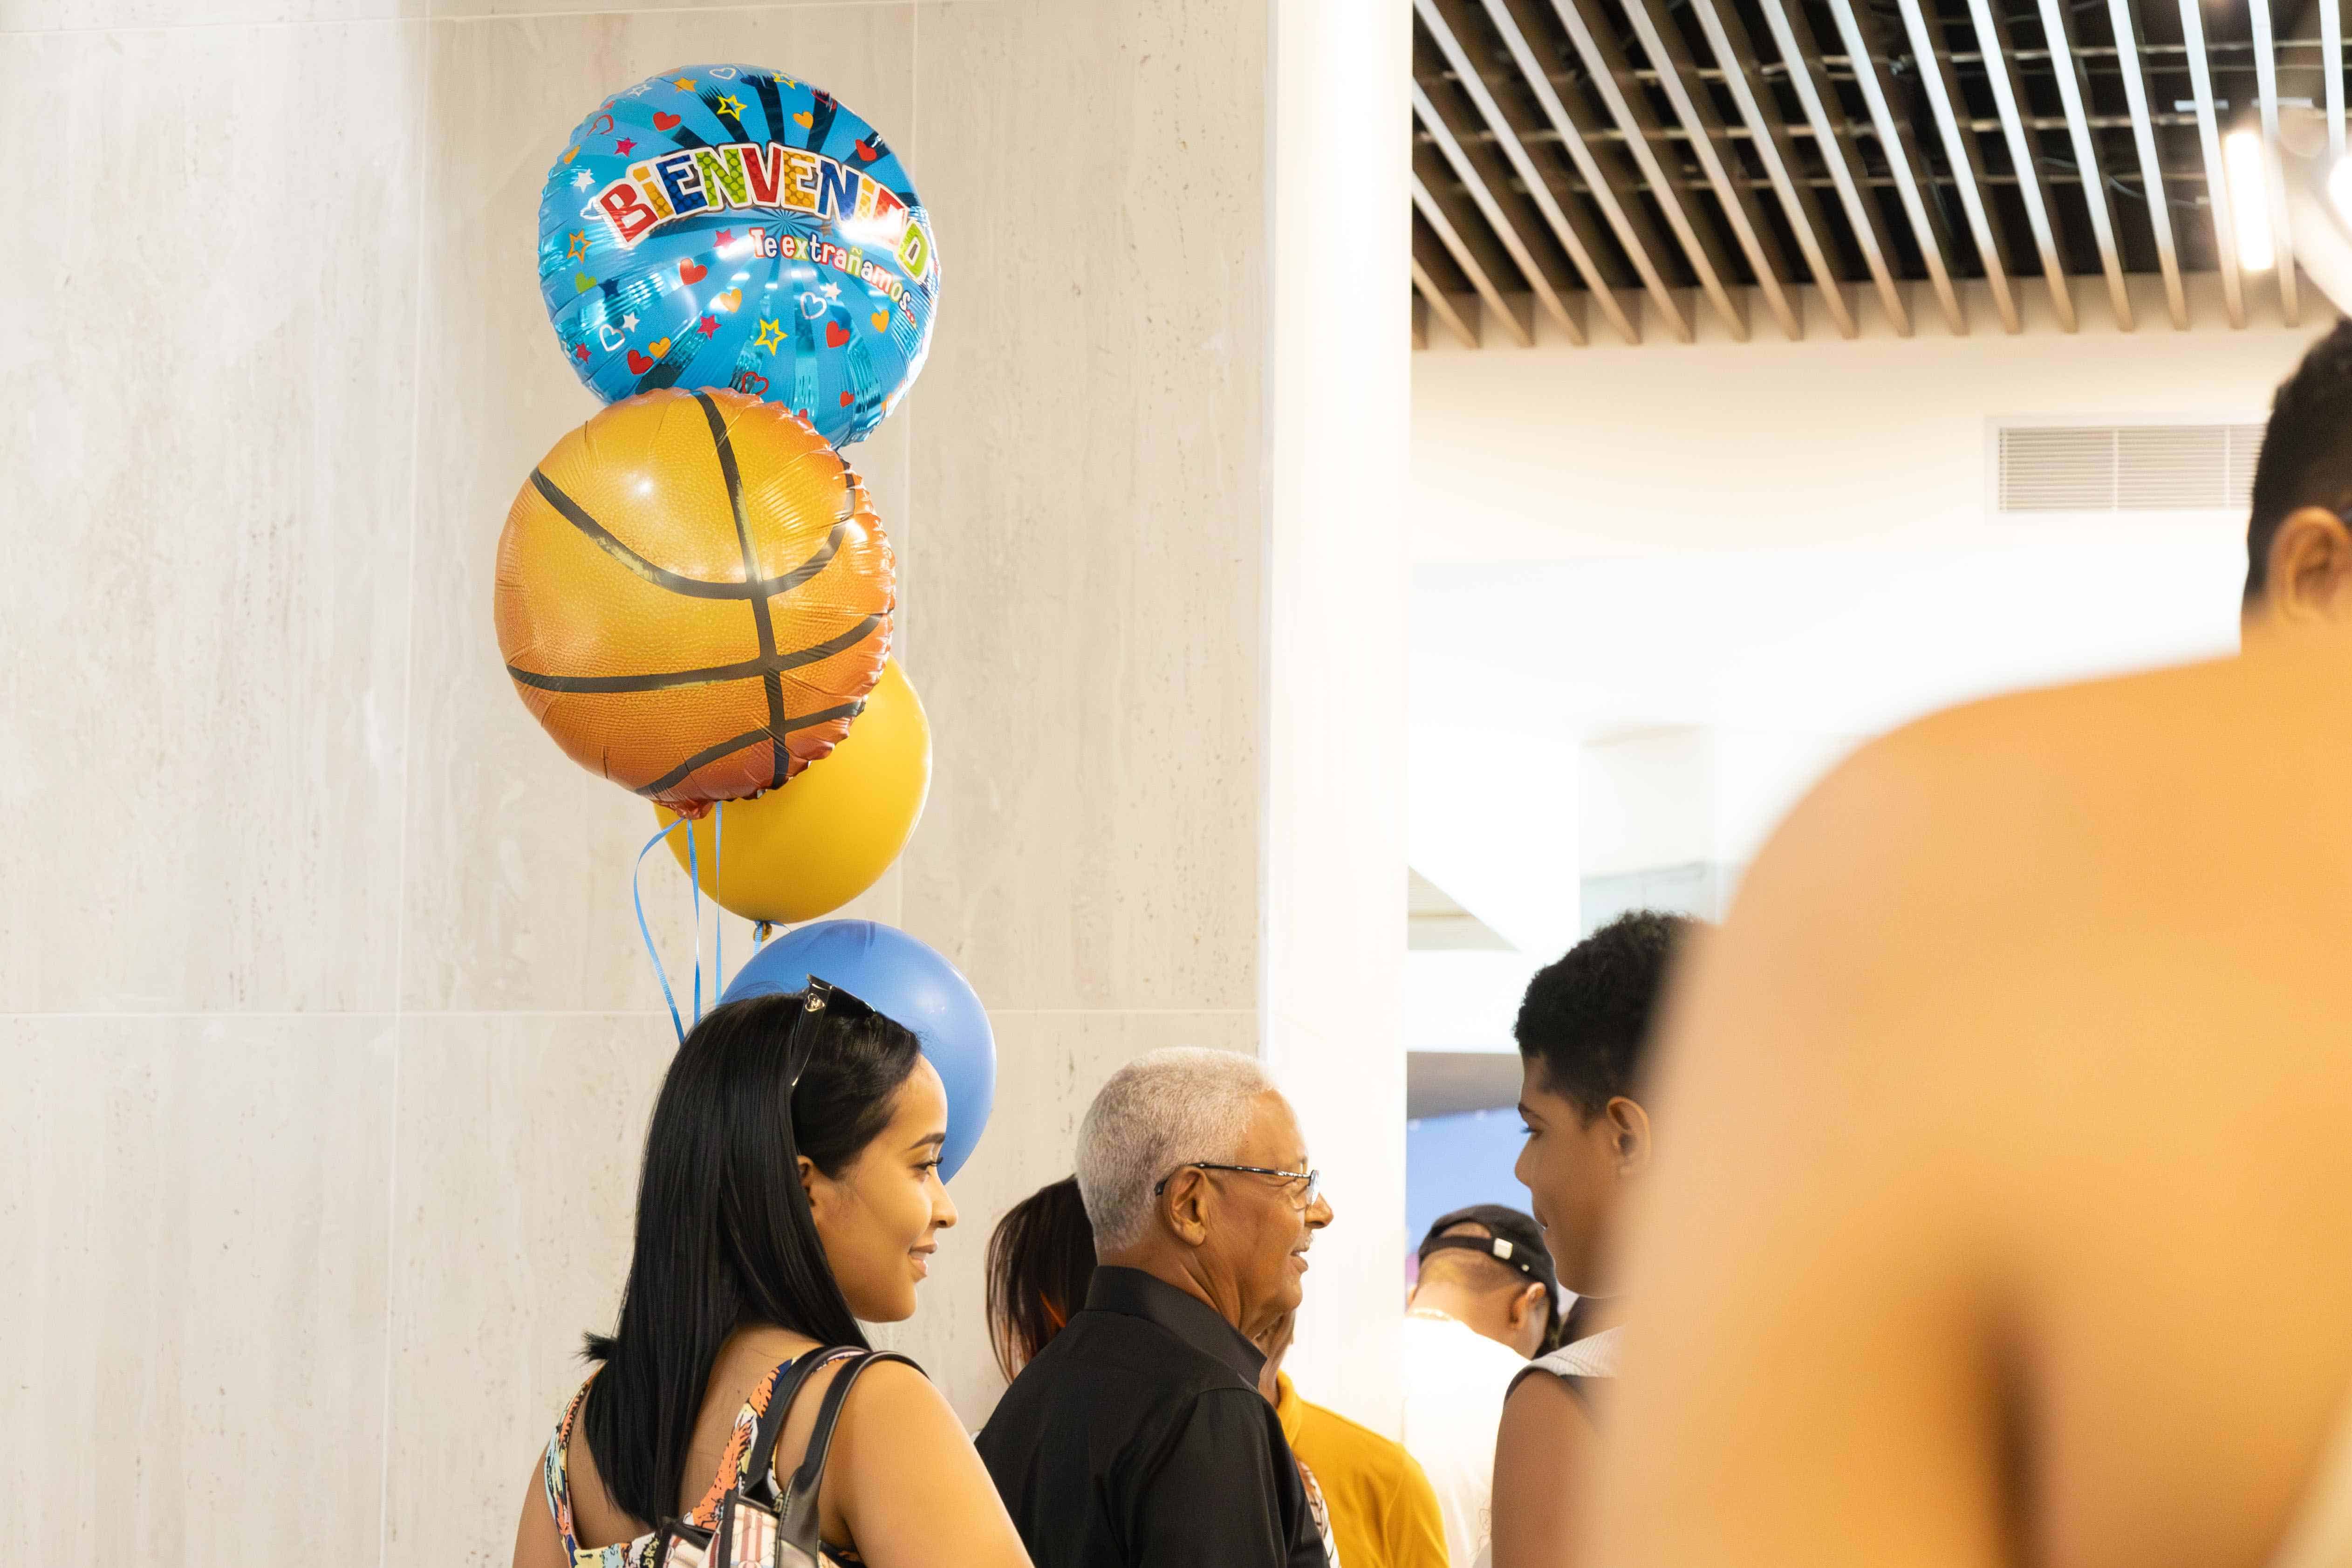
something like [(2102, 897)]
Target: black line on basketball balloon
[(666, 680), (659, 680), (702, 759), (709, 754), (812, 566), (661, 577), (760, 617)]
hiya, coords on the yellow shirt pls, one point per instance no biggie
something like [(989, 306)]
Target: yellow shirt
[(1383, 1512)]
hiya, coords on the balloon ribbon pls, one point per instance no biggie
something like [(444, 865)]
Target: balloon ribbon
[(638, 892)]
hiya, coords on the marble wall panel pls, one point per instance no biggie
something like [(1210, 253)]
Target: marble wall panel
[(576, 7), (516, 892), (1088, 468), (119, 16), (519, 1145), (204, 571), (194, 1233)]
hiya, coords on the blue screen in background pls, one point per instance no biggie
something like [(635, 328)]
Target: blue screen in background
[(1451, 1162)]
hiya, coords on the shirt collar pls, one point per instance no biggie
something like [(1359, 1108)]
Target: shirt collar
[(1135, 1294)]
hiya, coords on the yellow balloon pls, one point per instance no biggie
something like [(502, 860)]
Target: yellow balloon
[(810, 845)]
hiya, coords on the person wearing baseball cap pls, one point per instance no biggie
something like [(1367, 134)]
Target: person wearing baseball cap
[(1486, 1300)]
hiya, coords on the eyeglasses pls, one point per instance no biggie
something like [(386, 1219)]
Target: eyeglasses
[(1303, 1198), (820, 997)]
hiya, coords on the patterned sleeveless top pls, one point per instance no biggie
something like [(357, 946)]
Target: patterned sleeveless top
[(734, 1470)]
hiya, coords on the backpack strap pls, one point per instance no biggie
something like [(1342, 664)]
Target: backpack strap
[(759, 1480), (796, 1516)]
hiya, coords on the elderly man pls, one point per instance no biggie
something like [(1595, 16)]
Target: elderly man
[(1137, 1438)]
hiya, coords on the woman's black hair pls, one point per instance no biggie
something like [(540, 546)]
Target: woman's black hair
[(725, 1238), (1040, 1261)]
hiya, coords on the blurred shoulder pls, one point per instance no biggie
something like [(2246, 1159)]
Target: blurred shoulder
[(1995, 797)]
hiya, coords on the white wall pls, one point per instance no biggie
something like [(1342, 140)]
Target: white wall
[(1713, 568), (1554, 451), (1334, 823), (325, 1044)]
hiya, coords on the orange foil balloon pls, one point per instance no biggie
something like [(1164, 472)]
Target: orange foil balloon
[(694, 596)]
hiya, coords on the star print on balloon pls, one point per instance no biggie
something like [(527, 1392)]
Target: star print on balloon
[(755, 229)]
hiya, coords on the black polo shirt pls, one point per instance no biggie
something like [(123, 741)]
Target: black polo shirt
[(1137, 1439)]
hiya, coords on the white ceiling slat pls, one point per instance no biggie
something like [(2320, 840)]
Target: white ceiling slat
[(2151, 167), (2217, 173), (1916, 146)]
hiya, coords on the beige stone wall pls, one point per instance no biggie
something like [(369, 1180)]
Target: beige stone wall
[(327, 1043)]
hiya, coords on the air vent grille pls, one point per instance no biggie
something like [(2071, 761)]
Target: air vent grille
[(2127, 468)]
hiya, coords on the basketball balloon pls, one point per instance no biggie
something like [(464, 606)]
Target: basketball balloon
[(694, 596), (726, 225), (808, 848)]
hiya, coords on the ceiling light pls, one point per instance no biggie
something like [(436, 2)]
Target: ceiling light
[(2249, 200), (2318, 202)]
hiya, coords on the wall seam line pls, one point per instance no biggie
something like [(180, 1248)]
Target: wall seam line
[(407, 750)]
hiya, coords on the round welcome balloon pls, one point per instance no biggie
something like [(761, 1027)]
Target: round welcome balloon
[(727, 225)]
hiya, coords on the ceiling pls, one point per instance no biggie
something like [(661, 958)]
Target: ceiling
[(1622, 169)]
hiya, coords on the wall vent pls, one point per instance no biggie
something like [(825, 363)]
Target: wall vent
[(2127, 468)]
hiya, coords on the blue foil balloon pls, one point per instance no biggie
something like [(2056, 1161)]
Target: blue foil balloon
[(725, 225), (908, 982)]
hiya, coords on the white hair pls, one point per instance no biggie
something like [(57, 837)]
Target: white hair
[(1157, 1113)]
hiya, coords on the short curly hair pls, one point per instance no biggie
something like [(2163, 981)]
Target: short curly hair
[(1586, 1018), (2306, 453)]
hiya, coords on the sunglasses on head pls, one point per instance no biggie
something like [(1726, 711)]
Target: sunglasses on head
[(800, 1044)]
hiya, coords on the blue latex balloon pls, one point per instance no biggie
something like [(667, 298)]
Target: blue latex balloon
[(726, 225), (905, 980)]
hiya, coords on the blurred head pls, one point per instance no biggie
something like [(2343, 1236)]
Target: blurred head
[(1487, 1267), (1040, 1262), (1150, 1152), (1584, 1033), (2299, 550), (761, 1203)]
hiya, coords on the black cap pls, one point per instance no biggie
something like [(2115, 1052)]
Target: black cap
[(1512, 1237)]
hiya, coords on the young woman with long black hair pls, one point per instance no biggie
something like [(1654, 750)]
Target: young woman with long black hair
[(790, 1188)]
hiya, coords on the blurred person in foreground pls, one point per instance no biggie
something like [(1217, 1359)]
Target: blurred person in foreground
[(2007, 1212), (1375, 1506), (1486, 1298), (1137, 1437), (1584, 1031)]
